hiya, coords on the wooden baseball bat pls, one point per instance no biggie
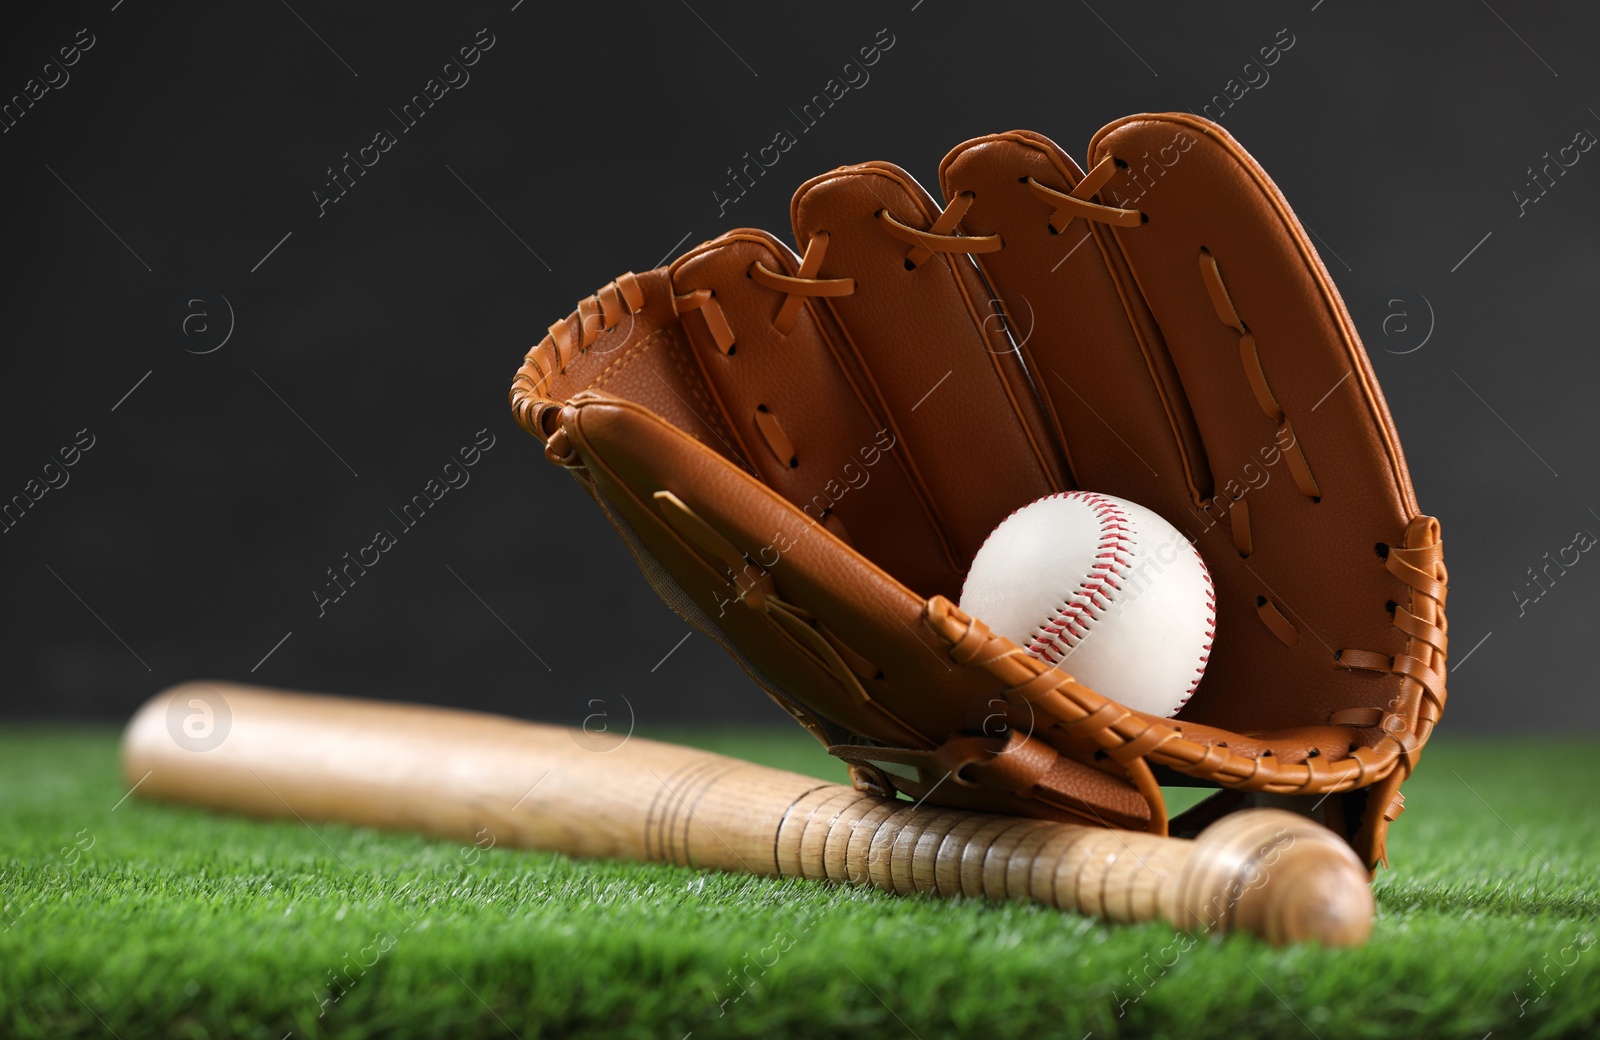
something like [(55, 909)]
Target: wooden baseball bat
[(466, 775)]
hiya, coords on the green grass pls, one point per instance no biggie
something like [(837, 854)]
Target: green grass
[(154, 920)]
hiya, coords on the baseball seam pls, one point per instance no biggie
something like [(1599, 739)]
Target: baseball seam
[(1067, 626), (1211, 632), (1069, 623)]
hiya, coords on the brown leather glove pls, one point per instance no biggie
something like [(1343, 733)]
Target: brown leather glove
[(806, 454)]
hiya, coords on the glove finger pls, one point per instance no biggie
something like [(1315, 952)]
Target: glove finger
[(1310, 484), (798, 411), (1096, 357), (953, 391)]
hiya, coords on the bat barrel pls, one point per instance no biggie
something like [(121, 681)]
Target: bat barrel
[(464, 775)]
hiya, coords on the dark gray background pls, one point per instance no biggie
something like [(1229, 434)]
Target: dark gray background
[(377, 339)]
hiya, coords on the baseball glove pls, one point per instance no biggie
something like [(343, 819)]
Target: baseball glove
[(805, 453)]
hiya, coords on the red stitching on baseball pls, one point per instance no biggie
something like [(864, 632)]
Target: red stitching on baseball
[(1211, 630), (1069, 624), (1061, 632)]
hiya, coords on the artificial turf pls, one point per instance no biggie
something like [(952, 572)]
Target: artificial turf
[(138, 919)]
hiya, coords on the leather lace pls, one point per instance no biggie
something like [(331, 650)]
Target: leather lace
[(941, 236), (1076, 203), (605, 310), (804, 283)]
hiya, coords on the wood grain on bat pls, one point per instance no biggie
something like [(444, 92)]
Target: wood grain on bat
[(461, 775)]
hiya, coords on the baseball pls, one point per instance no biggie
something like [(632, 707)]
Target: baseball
[(1103, 587)]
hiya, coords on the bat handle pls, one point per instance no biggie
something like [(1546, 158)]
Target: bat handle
[(1278, 875), (1268, 872)]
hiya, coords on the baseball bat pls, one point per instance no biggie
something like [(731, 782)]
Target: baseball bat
[(483, 778)]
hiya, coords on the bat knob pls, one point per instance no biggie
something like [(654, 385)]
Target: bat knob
[(1278, 875)]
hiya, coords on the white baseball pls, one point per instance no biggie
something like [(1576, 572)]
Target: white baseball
[(1103, 587)]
